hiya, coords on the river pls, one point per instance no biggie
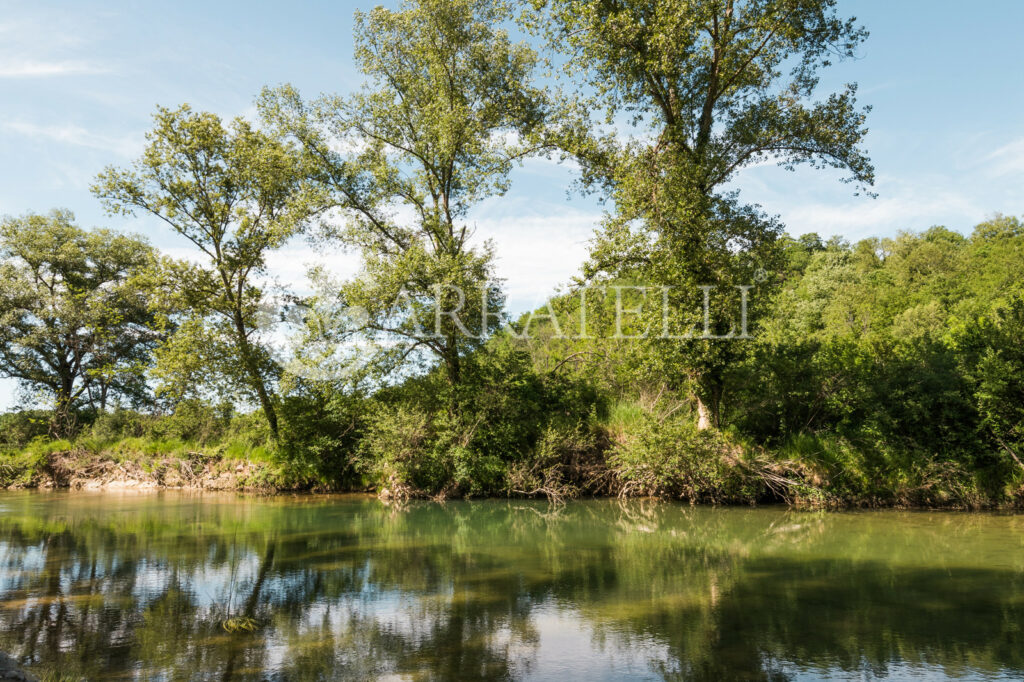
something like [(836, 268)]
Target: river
[(169, 585)]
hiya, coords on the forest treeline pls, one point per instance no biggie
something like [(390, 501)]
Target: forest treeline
[(711, 356)]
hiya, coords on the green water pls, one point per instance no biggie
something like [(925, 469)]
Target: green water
[(149, 586)]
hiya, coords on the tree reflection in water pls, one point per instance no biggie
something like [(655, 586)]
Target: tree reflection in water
[(178, 586)]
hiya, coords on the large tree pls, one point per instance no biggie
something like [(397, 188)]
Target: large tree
[(75, 316), (700, 89), (447, 110), (999, 379), (237, 194)]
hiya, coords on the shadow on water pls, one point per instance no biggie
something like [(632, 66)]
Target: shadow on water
[(168, 586)]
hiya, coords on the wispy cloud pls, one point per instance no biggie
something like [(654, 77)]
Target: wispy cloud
[(122, 145), (900, 206), (48, 42), (1006, 160), (28, 68)]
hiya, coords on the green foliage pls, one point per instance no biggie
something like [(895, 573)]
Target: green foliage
[(76, 322), (18, 429), (447, 110), (671, 457), (322, 431), (191, 421), (710, 77), (511, 431), (885, 373), (899, 357), (998, 379), (237, 194), (706, 89)]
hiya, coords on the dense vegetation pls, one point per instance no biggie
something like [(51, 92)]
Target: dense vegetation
[(702, 354)]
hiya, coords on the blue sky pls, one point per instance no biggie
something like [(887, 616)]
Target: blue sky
[(80, 80)]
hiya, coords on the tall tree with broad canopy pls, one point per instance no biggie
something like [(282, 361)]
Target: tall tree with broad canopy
[(75, 317), (447, 110), (237, 194), (703, 89)]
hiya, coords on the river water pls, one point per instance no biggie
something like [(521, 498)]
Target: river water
[(169, 586)]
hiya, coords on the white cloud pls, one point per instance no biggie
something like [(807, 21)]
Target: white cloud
[(124, 145), (538, 253), (39, 42), (289, 266), (809, 201), (1006, 160), (28, 68), (913, 210)]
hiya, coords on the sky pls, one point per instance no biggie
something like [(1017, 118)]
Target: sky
[(79, 82)]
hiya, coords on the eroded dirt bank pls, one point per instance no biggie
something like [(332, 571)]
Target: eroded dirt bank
[(92, 472)]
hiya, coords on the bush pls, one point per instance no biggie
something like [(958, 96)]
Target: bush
[(567, 461), (120, 424), (670, 457), (396, 451), (196, 422), (505, 430), (18, 429), (321, 431)]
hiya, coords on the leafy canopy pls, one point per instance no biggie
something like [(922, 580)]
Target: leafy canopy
[(237, 194), (447, 110), (76, 321)]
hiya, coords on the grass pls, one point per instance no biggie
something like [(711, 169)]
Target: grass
[(624, 417)]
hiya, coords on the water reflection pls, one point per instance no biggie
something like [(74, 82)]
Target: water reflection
[(172, 586)]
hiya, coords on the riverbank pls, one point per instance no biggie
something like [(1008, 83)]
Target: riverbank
[(83, 470), (754, 481)]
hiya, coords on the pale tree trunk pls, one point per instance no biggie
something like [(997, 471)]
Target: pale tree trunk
[(709, 408), (703, 416)]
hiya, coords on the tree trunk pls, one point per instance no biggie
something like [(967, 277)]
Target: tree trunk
[(453, 367), (267, 403), (62, 425), (703, 416), (259, 385), (709, 407)]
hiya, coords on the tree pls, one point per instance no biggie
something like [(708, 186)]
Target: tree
[(75, 314), (447, 110), (702, 84), (999, 379), (236, 193)]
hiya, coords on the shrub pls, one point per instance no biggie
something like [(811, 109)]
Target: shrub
[(321, 431), (567, 461), (18, 429), (396, 451), (195, 421), (671, 457), (121, 424)]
